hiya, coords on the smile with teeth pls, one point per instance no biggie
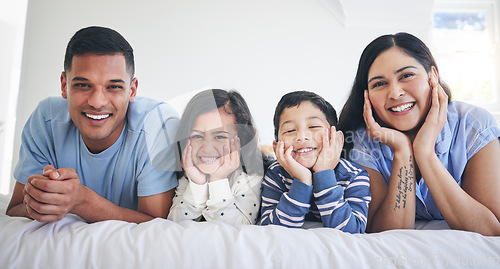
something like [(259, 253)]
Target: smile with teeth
[(208, 159), (303, 150), (403, 107), (97, 117)]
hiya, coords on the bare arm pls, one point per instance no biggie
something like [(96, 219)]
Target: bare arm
[(476, 206), (51, 199), (393, 206)]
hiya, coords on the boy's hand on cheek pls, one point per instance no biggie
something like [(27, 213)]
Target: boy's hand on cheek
[(295, 169), (329, 156)]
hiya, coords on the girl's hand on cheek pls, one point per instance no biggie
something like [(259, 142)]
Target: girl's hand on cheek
[(329, 156), (231, 160), (295, 169), (425, 140), (187, 164), (394, 139)]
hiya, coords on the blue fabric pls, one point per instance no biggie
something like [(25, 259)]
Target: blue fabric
[(140, 163), (338, 198), (467, 130)]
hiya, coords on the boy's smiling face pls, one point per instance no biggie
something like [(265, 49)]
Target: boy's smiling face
[(302, 127)]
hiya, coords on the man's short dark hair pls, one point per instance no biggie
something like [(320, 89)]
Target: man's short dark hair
[(99, 40), (295, 98)]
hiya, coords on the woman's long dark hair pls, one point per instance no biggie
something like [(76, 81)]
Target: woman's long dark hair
[(351, 116), (234, 104)]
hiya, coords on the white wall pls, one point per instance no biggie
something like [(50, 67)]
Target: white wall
[(262, 48)]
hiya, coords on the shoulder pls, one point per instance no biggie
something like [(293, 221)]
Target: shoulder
[(460, 112), (347, 168), (51, 109), (147, 111), (276, 172), (469, 120)]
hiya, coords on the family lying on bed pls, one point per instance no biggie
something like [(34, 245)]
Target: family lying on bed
[(401, 149)]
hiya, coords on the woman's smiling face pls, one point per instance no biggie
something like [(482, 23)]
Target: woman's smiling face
[(399, 90)]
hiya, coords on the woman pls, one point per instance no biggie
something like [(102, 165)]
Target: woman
[(428, 158)]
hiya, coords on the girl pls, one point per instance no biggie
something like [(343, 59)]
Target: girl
[(428, 158), (222, 165)]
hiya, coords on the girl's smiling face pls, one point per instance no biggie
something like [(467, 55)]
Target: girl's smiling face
[(399, 90), (210, 133)]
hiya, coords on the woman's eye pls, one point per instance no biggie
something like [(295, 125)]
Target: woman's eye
[(196, 137), (406, 75), (221, 137), (378, 84)]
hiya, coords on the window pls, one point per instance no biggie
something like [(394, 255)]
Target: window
[(465, 45)]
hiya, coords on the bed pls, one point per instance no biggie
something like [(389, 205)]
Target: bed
[(73, 243)]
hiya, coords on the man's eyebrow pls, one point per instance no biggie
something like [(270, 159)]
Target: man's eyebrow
[(79, 79), (397, 71), (117, 81)]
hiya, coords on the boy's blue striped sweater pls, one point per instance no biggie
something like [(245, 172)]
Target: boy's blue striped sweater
[(339, 198)]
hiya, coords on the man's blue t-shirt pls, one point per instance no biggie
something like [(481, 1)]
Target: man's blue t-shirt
[(140, 163)]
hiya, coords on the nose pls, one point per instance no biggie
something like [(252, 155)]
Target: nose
[(396, 91), (98, 98), (303, 135)]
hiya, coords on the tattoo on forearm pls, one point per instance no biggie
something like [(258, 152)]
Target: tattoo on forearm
[(405, 185)]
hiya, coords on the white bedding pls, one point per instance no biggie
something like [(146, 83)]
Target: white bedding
[(72, 243)]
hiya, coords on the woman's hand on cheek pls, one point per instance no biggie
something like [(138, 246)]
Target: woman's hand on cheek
[(187, 164), (295, 169), (425, 140), (329, 156), (231, 160), (394, 139)]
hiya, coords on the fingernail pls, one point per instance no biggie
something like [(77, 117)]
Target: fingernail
[(48, 171), (56, 174)]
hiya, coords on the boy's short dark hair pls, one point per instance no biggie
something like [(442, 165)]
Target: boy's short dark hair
[(296, 98), (99, 40)]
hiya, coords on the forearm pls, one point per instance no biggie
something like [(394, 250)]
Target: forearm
[(287, 208), (238, 206), (397, 209), (95, 208), (339, 209), (189, 201), (18, 210), (458, 208)]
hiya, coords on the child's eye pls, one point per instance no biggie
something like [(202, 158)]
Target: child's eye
[(315, 126), (288, 131), (196, 137)]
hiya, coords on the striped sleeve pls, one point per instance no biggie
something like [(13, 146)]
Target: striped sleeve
[(342, 197), (281, 206)]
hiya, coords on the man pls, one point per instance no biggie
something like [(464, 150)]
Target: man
[(99, 152)]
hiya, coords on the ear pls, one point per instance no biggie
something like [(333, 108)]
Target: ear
[(133, 89), (275, 144), (435, 73), (64, 86)]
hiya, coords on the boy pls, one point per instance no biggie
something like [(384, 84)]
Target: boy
[(309, 180)]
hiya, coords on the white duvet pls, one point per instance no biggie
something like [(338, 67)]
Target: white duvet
[(73, 243)]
